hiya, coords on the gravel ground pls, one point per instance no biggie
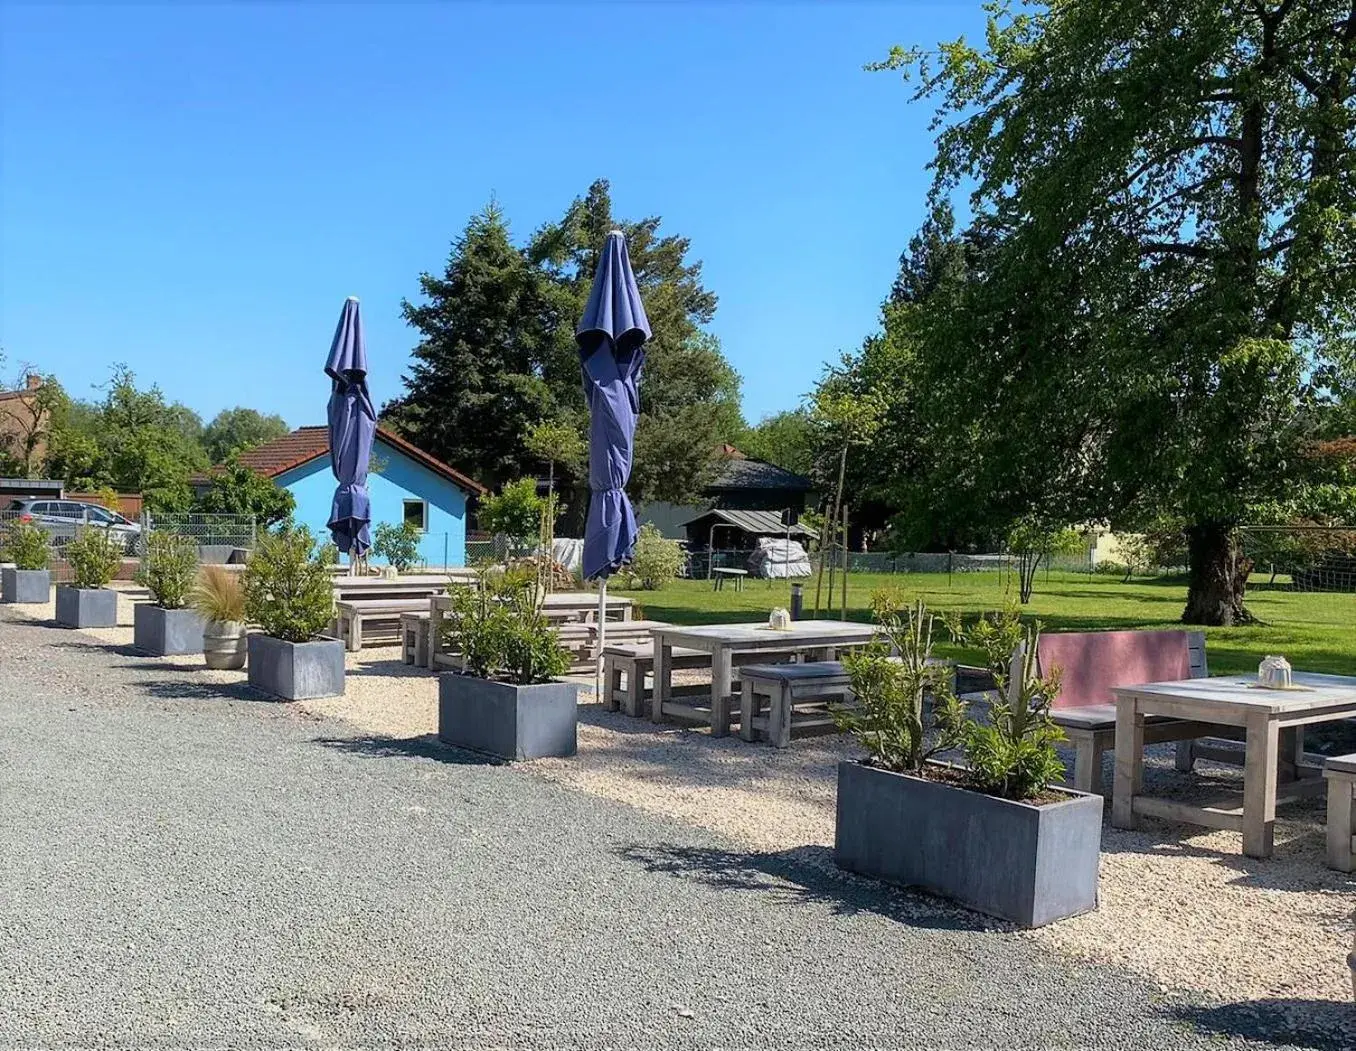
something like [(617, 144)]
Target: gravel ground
[(187, 864)]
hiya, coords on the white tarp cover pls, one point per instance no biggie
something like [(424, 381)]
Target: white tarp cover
[(779, 559), (569, 553)]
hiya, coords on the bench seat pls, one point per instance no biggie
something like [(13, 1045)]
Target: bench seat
[(1340, 772), (354, 619), (414, 638)]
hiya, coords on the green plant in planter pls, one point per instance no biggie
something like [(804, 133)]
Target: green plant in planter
[(94, 557), (892, 719), (398, 544), (656, 561), (289, 591), (500, 631), (27, 546), (169, 568)]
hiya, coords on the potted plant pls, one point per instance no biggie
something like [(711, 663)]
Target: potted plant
[(167, 626), (219, 600), (506, 701), (87, 602), (289, 593), (28, 547), (397, 544), (994, 834)]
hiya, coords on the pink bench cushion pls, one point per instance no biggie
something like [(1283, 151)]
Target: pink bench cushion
[(1093, 662)]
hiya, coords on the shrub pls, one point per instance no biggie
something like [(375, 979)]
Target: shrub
[(94, 557), (656, 560), (514, 513), (288, 589), (397, 544), (218, 595), (500, 631), (27, 546), (168, 568)]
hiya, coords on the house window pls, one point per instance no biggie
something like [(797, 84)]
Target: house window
[(416, 514)]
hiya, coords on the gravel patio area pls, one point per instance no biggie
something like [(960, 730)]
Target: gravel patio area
[(187, 864)]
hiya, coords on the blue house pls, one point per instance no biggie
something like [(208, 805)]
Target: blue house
[(406, 484)]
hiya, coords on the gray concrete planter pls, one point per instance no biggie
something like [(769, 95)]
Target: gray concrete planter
[(296, 671), (86, 607), (511, 722), (1025, 863), (166, 632), (25, 585)]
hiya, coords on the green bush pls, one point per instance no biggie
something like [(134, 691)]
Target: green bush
[(289, 591), (169, 568), (27, 546), (94, 557), (500, 631), (515, 513), (656, 561), (398, 544)]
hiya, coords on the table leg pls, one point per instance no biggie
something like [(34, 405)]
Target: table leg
[(722, 682), (748, 706), (663, 679), (435, 636), (1259, 786), (1129, 761)]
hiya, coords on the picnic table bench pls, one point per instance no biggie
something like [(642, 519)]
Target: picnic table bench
[(1340, 772), (719, 576), (361, 620), (414, 638)]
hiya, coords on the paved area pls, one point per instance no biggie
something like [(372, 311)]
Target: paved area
[(187, 867)]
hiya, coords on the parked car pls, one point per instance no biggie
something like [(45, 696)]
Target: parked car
[(62, 517)]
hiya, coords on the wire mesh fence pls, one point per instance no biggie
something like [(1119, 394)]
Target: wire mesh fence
[(218, 536)]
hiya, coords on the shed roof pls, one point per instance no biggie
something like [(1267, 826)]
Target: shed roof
[(303, 445), (743, 473), (755, 523)]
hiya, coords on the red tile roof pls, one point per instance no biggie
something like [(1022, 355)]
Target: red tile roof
[(306, 443)]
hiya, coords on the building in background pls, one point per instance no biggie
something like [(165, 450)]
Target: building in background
[(405, 483), (742, 484)]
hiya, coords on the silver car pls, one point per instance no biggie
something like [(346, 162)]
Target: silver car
[(62, 517)]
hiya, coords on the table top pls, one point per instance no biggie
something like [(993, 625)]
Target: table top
[(1242, 693), (802, 632)]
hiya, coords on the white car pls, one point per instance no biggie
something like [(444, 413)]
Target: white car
[(61, 517)]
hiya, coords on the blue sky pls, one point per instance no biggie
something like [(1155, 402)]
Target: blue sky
[(193, 190)]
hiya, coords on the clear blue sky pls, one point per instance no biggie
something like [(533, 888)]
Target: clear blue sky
[(194, 190)]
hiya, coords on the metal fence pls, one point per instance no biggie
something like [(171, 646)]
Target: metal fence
[(217, 536)]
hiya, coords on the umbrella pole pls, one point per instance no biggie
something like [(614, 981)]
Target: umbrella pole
[(602, 640)]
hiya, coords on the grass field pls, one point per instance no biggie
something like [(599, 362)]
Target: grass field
[(1317, 632)]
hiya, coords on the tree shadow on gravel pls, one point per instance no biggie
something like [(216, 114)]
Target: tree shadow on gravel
[(426, 746), (192, 690), (1324, 1025), (805, 876), (162, 665), (114, 648), (392, 669)]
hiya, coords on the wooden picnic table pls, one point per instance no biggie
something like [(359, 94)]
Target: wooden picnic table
[(820, 639), (1232, 701), (560, 607), (423, 585)]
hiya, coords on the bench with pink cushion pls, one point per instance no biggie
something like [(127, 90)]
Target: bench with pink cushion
[(1091, 663)]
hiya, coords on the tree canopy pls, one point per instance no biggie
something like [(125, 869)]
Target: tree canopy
[(235, 430)]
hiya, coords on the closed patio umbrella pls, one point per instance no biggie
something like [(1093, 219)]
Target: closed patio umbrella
[(353, 424), (611, 337)]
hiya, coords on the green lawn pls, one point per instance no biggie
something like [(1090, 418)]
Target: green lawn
[(1317, 632)]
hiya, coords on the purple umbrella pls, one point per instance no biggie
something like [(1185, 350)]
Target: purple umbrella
[(611, 338), (353, 423)]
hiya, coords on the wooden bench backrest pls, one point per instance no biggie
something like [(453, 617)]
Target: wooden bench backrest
[(1092, 662)]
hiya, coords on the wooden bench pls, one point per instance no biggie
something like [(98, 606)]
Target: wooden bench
[(1093, 662), (818, 683), (360, 620), (1340, 771), (719, 576), (414, 638), (635, 662), (622, 632)]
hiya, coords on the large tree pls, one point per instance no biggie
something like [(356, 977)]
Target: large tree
[(1168, 189), (235, 430)]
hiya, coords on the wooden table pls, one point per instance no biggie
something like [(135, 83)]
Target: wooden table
[(560, 607), (1233, 701), (823, 638), (719, 576)]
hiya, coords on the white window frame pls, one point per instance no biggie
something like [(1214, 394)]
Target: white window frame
[(423, 504)]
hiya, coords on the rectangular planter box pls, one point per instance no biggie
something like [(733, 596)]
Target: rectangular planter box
[(511, 722), (86, 607), (296, 671), (166, 632), (1025, 863), (25, 585)]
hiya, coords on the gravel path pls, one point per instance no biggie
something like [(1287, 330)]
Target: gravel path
[(186, 864)]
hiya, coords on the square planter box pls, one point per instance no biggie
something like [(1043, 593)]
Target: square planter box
[(166, 632), (86, 607), (296, 671), (1025, 863), (25, 585), (511, 722)]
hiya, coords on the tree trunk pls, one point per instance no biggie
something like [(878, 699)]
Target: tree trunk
[(1217, 577)]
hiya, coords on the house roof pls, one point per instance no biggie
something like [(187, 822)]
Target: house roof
[(742, 472), (756, 523), (306, 443)]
